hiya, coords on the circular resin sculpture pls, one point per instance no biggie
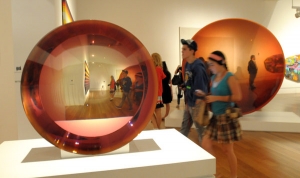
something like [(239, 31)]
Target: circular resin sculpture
[(66, 83), (238, 39)]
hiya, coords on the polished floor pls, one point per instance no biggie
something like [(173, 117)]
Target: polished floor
[(262, 154)]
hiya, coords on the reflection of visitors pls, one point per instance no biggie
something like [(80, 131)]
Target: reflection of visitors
[(125, 84), (156, 120), (179, 89), (118, 85), (195, 79), (138, 88), (167, 89), (225, 88), (252, 69), (112, 87)]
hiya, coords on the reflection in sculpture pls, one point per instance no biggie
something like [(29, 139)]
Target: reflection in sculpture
[(292, 68), (54, 94), (252, 69), (240, 39), (125, 84), (138, 88)]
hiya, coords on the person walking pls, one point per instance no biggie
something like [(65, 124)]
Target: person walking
[(178, 72), (126, 85), (195, 78), (112, 87), (167, 95), (224, 90), (252, 69), (156, 119)]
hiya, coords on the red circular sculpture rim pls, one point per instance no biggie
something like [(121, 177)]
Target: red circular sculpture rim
[(238, 39), (40, 118)]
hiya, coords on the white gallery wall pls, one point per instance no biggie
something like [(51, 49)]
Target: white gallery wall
[(286, 29), (8, 115), (155, 23)]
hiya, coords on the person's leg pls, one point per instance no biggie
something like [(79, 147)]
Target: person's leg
[(112, 93), (154, 122), (251, 81), (229, 152), (207, 144), (186, 122), (122, 102), (167, 110), (254, 76), (200, 129), (178, 98), (158, 117), (129, 101)]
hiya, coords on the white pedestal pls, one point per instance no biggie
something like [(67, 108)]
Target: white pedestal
[(65, 154), (271, 121), (165, 153), (258, 121)]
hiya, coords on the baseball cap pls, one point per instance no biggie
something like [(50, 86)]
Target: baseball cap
[(125, 71), (190, 43)]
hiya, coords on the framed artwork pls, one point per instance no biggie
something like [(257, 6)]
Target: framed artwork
[(66, 13), (86, 78)]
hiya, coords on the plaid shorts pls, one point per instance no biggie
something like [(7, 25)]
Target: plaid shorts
[(223, 130)]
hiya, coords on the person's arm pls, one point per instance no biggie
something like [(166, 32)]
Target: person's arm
[(177, 69), (200, 81), (163, 75), (170, 83)]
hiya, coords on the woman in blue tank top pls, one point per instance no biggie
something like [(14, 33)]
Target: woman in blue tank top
[(221, 129)]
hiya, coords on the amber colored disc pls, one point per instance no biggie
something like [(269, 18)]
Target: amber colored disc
[(238, 39), (65, 92)]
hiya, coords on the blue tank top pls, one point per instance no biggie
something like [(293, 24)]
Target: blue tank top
[(222, 89)]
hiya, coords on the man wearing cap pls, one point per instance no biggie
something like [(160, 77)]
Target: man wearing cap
[(195, 78), (126, 84)]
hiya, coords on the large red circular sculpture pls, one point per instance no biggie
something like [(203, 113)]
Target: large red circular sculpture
[(58, 80), (239, 39)]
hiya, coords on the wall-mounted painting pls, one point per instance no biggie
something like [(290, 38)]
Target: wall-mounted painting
[(292, 68), (66, 13), (86, 78)]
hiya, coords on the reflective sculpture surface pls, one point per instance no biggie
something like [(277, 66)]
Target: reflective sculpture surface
[(65, 87), (239, 39)]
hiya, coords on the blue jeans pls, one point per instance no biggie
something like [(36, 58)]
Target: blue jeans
[(124, 97), (188, 121)]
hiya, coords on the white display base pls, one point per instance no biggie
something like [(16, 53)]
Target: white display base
[(271, 121), (65, 154), (174, 156), (257, 121)]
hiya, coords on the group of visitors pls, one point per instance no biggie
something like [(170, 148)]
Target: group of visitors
[(203, 81)]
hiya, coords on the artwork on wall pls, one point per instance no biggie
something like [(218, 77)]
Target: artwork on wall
[(86, 78), (239, 39), (66, 13), (95, 126), (292, 68)]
